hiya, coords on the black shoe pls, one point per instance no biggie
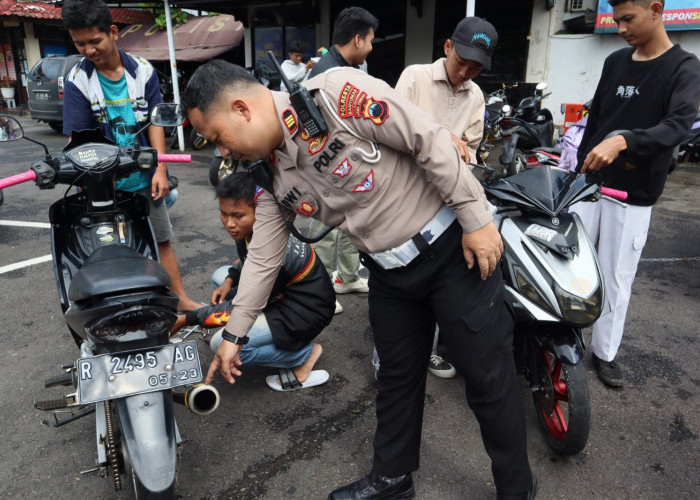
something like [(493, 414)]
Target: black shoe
[(374, 487), (528, 495), (609, 372)]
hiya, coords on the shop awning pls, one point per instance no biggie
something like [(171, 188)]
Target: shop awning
[(45, 10), (199, 39)]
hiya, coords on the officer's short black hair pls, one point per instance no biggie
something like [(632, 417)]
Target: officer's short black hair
[(353, 21), (237, 186), (81, 14), (207, 82)]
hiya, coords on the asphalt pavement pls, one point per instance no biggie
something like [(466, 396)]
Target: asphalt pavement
[(265, 444)]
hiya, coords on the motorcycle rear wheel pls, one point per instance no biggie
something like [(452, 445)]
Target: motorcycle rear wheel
[(563, 405), (517, 165)]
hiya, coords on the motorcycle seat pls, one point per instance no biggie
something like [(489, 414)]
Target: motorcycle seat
[(116, 268), (554, 151)]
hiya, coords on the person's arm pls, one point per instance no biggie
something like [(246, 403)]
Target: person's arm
[(156, 138), (682, 109), (475, 127), (265, 253), (76, 109)]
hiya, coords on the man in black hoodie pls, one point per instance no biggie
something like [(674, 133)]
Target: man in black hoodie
[(646, 100)]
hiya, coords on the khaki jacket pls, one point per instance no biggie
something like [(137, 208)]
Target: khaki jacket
[(460, 112), (379, 189)]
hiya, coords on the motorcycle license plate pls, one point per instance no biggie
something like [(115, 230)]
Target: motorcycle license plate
[(109, 376)]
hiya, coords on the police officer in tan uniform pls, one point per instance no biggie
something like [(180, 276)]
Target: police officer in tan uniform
[(388, 175)]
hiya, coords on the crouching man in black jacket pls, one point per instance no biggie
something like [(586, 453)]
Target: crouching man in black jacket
[(301, 303)]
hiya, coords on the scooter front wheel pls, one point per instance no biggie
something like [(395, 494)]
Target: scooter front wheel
[(562, 403)]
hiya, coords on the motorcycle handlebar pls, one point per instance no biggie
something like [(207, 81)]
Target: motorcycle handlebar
[(13, 180), (175, 158), (614, 193)]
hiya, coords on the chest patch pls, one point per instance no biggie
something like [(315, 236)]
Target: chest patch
[(367, 184), (329, 154), (354, 103), (306, 208), (343, 169), (290, 121)]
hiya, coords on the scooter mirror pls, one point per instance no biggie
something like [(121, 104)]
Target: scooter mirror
[(168, 115), (10, 129), (541, 86)]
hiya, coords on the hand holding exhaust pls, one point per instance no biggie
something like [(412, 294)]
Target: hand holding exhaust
[(604, 153), (486, 246), (226, 362)]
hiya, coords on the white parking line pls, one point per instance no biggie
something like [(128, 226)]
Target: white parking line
[(21, 223), (25, 263)]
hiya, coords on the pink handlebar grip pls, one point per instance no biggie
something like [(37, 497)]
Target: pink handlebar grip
[(29, 175), (174, 158), (614, 193)]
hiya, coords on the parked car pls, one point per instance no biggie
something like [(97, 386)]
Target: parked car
[(45, 89)]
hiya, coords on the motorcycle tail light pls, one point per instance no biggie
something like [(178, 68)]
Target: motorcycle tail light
[(579, 311), (135, 323)]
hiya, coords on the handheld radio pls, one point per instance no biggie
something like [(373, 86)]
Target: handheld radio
[(303, 103)]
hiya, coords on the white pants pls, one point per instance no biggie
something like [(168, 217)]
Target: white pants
[(620, 234)]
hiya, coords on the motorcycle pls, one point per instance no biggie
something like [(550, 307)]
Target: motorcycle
[(497, 108), (554, 283), (530, 126), (115, 300)]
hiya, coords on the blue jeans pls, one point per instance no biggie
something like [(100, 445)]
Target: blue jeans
[(260, 350)]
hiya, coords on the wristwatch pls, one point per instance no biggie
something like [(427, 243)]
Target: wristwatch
[(235, 338)]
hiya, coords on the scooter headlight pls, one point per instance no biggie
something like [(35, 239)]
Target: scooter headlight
[(578, 311), (530, 291), (135, 323)]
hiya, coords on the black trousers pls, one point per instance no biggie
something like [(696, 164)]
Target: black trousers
[(476, 326)]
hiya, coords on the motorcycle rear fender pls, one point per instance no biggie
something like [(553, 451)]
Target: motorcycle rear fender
[(509, 145), (565, 342), (149, 436)]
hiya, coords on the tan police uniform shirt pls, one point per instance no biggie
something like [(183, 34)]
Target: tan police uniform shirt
[(460, 112), (380, 188)]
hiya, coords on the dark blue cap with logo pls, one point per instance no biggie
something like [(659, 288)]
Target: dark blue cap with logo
[(475, 39)]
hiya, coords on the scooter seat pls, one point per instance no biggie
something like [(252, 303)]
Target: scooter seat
[(554, 151), (116, 268)]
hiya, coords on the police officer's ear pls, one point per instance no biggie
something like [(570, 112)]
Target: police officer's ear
[(240, 107)]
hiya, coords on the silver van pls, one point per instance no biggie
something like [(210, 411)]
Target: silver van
[(45, 89)]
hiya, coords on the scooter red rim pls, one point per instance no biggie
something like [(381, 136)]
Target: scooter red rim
[(554, 392)]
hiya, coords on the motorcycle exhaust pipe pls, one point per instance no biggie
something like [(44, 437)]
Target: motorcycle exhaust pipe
[(202, 399)]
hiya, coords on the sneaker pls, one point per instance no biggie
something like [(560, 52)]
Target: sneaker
[(338, 308), (609, 372), (358, 286), (441, 368)]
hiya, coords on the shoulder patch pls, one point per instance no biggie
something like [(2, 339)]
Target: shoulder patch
[(258, 192), (290, 121), (354, 102)]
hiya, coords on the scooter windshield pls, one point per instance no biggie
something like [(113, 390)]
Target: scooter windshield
[(548, 189)]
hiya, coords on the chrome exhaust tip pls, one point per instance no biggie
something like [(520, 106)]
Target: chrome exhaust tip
[(202, 399)]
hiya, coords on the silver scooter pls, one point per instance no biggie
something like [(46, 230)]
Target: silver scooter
[(555, 286)]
